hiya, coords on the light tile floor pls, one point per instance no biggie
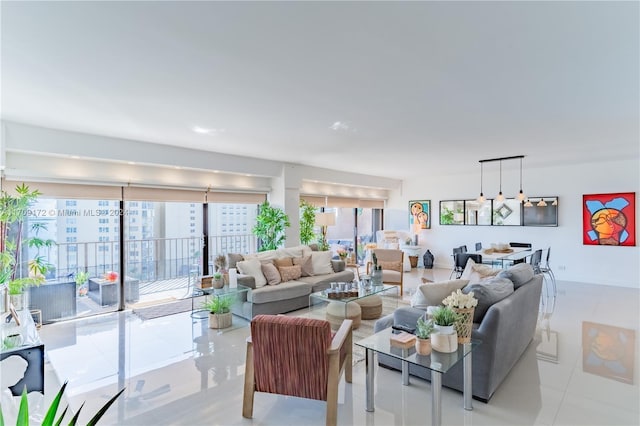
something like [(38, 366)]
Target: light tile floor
[(178, 372)]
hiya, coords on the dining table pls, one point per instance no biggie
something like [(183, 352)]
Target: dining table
[(506, 257)]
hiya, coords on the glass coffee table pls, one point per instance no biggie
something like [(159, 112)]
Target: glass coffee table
[(344, 297), (438, 362)]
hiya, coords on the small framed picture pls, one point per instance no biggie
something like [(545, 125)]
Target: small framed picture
[(419, 215), (14, 314)]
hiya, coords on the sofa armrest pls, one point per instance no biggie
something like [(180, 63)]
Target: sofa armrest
[(247, 281), (407, 316), (338, 265)]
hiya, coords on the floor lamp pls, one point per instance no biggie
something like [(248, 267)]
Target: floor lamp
[(324, 220)]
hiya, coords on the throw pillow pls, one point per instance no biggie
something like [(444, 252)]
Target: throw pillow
[(488, 291), (321, 261), (253, 267), (476, 272), (306, 266), (518, 274), (391, 266), (271, 273), (233, 259), (283, 261), (432, 294), (289, 273)]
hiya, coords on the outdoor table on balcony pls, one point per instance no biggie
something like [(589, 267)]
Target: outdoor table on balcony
[(105, 292)]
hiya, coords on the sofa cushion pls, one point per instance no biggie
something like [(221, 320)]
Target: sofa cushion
[(289, 273), (518, 274), (263, 256), (432, 294), (322, 282), (321, 261), (297, 251), (271, 273), (253, 267), (306, 265), (488, 291), (275, 293), (391, 266), (283, 261), (475, 272), (233, 259)]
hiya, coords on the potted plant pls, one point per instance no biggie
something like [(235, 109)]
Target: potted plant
[(445, 338), (444, 318), (81, 280), (307, 222), (15, 274), (270, 226), (424, 328), (219, 308), (217, 280)]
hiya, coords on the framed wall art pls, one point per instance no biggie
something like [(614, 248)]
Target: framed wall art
[(419, 215), (609, 219)]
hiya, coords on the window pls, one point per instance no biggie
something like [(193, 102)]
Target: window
[(71, 230), (71, 203)]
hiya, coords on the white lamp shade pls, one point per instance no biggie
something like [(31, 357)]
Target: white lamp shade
[(325, 219)]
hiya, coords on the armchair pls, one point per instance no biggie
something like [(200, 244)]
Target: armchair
[(392, 266), (297, 357)]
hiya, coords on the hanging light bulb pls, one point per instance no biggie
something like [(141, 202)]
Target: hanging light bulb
[(528, 204), (481, 199), (521, 195), (542, 203), (500, 197)]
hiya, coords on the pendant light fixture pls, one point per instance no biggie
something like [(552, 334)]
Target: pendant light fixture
[(555, 202), (542, 203), (521, 196), (481, 198), (500, 197), (528, 204)]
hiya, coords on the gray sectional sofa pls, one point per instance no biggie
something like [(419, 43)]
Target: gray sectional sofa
[(506, 329), (290, 295)]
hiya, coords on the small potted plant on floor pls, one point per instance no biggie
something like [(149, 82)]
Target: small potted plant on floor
[(219, 308), (424, 328), (81, 281)]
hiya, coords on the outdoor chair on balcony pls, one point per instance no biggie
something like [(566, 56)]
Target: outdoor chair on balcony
[(299, 357)]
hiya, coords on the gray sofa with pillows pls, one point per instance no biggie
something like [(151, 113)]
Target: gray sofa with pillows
[(281, 280), (504, 320)]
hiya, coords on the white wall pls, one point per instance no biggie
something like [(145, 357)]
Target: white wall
[(605, 265)]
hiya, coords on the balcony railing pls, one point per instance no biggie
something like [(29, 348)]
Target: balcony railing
[(146, 260)]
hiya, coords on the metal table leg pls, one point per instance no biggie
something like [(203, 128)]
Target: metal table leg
[(405, 368), (468, 379), (369, 366), (436, 398)]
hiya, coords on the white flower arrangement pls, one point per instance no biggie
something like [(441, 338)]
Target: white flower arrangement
[(460, 300)]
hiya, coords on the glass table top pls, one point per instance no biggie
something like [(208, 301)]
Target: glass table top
[(438, 361), (331, 296)]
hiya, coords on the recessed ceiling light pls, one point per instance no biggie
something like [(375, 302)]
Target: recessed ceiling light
[(177, 167), (131, 162), (75, 157), (206, 130), (339, 125)]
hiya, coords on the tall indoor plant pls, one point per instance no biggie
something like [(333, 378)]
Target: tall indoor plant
[(270, 226), (307, 222), (13, 274)]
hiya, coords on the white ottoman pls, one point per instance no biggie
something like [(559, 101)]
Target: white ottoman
[(371, 307), (336, 314)]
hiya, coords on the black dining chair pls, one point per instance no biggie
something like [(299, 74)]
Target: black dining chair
[(478, 246), (520, 245), (460, 262)]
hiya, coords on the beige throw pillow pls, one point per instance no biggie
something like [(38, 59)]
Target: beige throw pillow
[(288, 273), (321, 261), (475, 272), (271, 273), (432, 294), (306, 266), (283, 261), (253, 267)]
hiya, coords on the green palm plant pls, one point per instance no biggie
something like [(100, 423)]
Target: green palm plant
[(50, 416), (13, 211), (270, 226)]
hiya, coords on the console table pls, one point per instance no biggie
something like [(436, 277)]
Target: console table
[(31, 350)]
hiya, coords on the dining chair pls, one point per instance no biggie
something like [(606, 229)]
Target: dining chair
[(461, 260), (299, 357), (478, 246), (546, 269)]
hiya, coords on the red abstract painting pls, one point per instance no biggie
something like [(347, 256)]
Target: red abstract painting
[(609, 219)]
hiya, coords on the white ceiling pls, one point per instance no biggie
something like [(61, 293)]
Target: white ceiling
[(415, 85)]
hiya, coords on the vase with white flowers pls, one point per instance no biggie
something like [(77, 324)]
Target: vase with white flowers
[(463, 304)]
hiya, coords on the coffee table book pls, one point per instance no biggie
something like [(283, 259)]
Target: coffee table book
[(402, 340)]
